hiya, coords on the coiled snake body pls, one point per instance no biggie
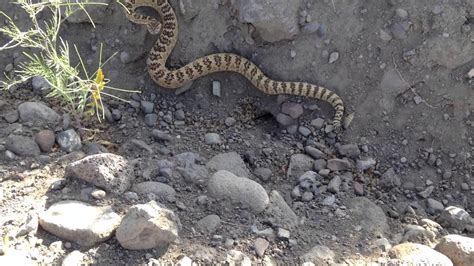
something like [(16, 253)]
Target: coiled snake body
[(167, 27)]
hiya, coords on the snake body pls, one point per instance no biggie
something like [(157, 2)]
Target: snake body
[(167, 27)]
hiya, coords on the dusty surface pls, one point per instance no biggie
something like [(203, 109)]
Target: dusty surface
[(402, 69)]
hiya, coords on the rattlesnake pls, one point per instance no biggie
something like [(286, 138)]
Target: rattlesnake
[(167, 27)]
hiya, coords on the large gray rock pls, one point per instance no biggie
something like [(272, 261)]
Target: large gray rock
[(280, 213), (368, 215), (79, 222), (148, 226), (459, 249), (275, 20), (22, 146), (231, 162), (226, 185), (417, 254), (108, 171), (38, 113), (160, 190)]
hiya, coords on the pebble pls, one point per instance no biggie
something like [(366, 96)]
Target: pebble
[(151, 120), (319, 255), (180, 115), (147, 107), (159, 190), (294, 110), (358, 189), (401, 13), (22, 146), (148, 226), (335, 184), (329, 200), (304, 131), (285, 120), (38, 113), (427, 192), (69, 140), (385, 36), (390, 179), (292, 53), (299, 164), (263, 173), (161, 135), (226, 185), (230, 121), (362, 165), (339, 164), (212, 139), (11, 117), (230, 161), (40, 85), (319, 164), (280, 213), (98, 194), (124, 57), (108, 171), (116, 114), (260, 245), (434, 206), (209, 224), (310, 28), (349, 150), (73, 259), (318, 123), (216, 88), (437, 9), (283, 234), (333, 57)]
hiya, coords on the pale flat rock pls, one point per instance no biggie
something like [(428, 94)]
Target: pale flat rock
[(231, 162), (226, 185), (417, 254), (319, 255), (74, 258), (80, 222), (108, 171), (459, 249), (148, 226)]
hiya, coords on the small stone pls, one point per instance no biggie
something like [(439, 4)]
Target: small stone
[(22, 146), (283, 234), (299, 164), (349, 150), (230, 121), (304, 131), (161, 135), (45, 140), (116, 114), (335, 184), (180, 115), (470, 74), (319, 255), (98, 194), (363, 165), (73, 259), (124, 57), (310, 28), (390, 179), (339, 164), (427, 192), (417, 254), (260, 245), (160, 190), (285, 120), (212, 139), (318, 123), (329, 200), (69, 140), (434, 206), (292, 53), (151, 120), (294, 110), (457, 218), (225, 185), (385, 36), (307, 196), (319, 164), (209, 224), (263, 174), (399, 30), (29, 226), (40, 85), (148, 226), (437, 9), (358, 189), (147, 107), (216, 88), (401, 13), (333, 57), (230, 161), (37, 113), (11, 117), (280, 213)]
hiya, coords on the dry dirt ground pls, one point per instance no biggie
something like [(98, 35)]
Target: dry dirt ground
[(401, 67)]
